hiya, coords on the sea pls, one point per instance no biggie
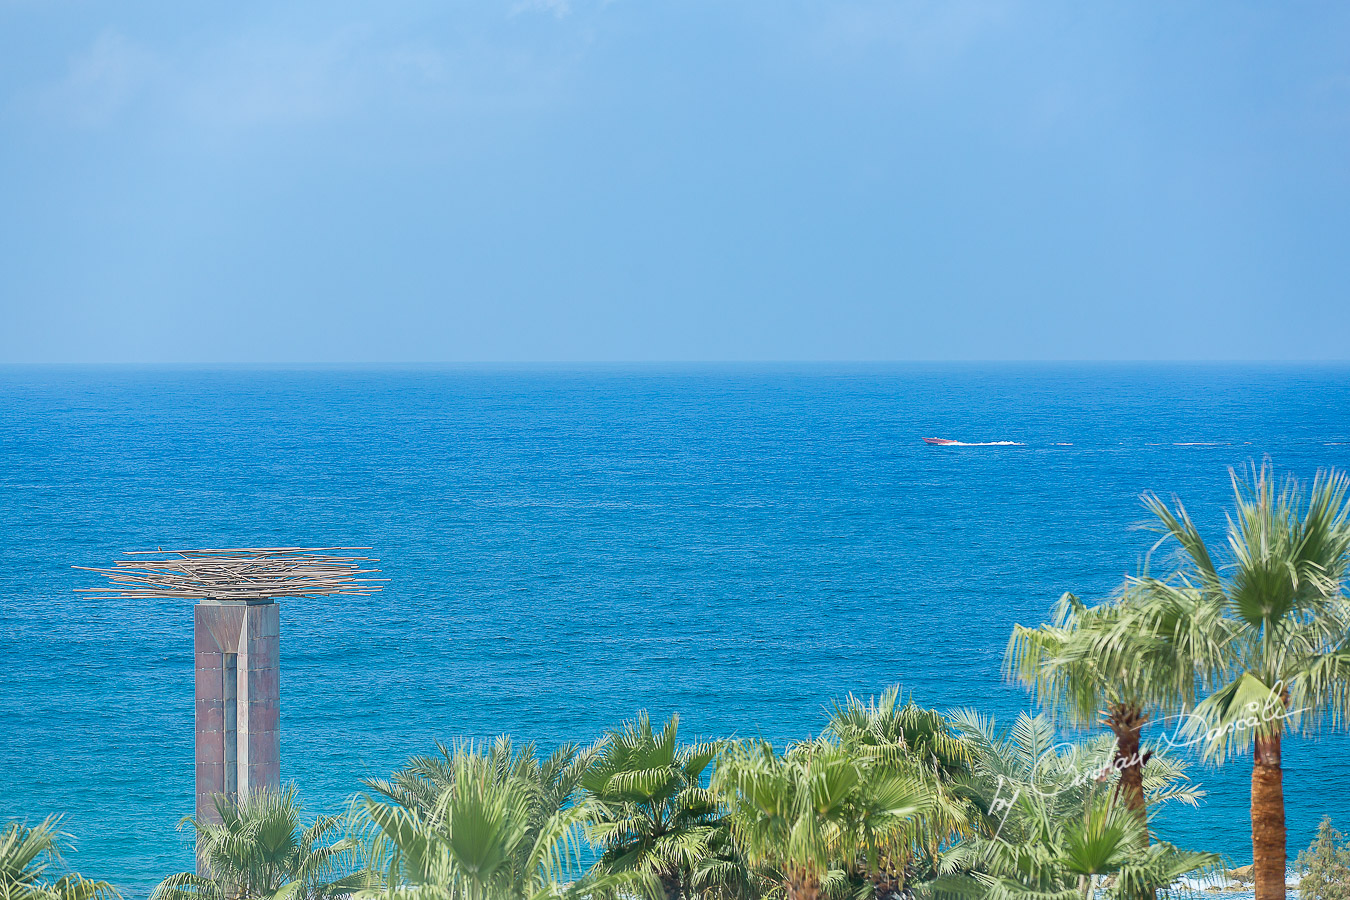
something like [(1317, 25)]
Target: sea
[(741, 545)]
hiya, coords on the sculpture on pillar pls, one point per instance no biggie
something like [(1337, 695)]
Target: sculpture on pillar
[(236, 634)]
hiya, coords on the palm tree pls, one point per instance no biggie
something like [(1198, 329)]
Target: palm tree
[(1286, 663), (1071, 856), (806, 816), (1051, 829), (651, 811), (890, 729), (262, 850), (500, 826), (550, 784), (907, 739), (28, 855), (1119, 663), (723, 872)]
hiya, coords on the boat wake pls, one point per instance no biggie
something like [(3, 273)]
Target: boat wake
[(944, 442)]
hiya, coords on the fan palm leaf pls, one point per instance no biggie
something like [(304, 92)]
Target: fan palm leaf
[(30, 857)]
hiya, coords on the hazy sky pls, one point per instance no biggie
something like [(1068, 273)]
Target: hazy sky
[(640, 180)]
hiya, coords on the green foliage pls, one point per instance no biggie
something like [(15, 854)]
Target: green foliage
[(1144, 650), (1119, 663), (29, 856), (262, 850), (651, 811), (905, 733), (813, 812), (920, 744), (892, 802), (1282, 660), (494, 824), (1051, 828), (547, 785), (1324, 868)]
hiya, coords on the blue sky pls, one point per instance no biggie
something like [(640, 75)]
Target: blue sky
[(566, 180)]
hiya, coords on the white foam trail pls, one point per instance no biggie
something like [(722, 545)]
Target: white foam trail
[(984, 444)]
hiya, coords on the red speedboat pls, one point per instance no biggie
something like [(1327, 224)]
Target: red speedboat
[(940, 441)]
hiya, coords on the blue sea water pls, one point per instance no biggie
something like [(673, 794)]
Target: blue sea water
[(566, 546)]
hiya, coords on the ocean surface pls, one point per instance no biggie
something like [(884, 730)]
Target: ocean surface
[(566, 546)]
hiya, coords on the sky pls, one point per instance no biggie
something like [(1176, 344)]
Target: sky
[(632, 180)]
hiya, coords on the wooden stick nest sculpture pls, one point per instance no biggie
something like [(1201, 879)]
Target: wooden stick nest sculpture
[(243, 573)]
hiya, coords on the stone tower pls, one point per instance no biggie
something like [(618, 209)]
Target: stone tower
[(238, 714), (236, 647)]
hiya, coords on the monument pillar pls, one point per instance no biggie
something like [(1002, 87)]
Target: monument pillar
[(236, 646), (238, 709)]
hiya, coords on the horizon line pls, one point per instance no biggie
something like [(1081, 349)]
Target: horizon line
[(654, 363)]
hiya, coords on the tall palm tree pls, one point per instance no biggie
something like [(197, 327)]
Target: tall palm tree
[(501, 826), (262, 850), (1286, 666), (28, 857), (808, 814), (1120, 663), (651, 810)]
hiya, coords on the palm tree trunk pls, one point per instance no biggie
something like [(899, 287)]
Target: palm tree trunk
[(1268, 832), (802, 885), (672, 885), (889, 879), (1127, 722)]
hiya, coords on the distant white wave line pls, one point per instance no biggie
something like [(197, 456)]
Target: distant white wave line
[(1151, 444), (1067, 444)]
